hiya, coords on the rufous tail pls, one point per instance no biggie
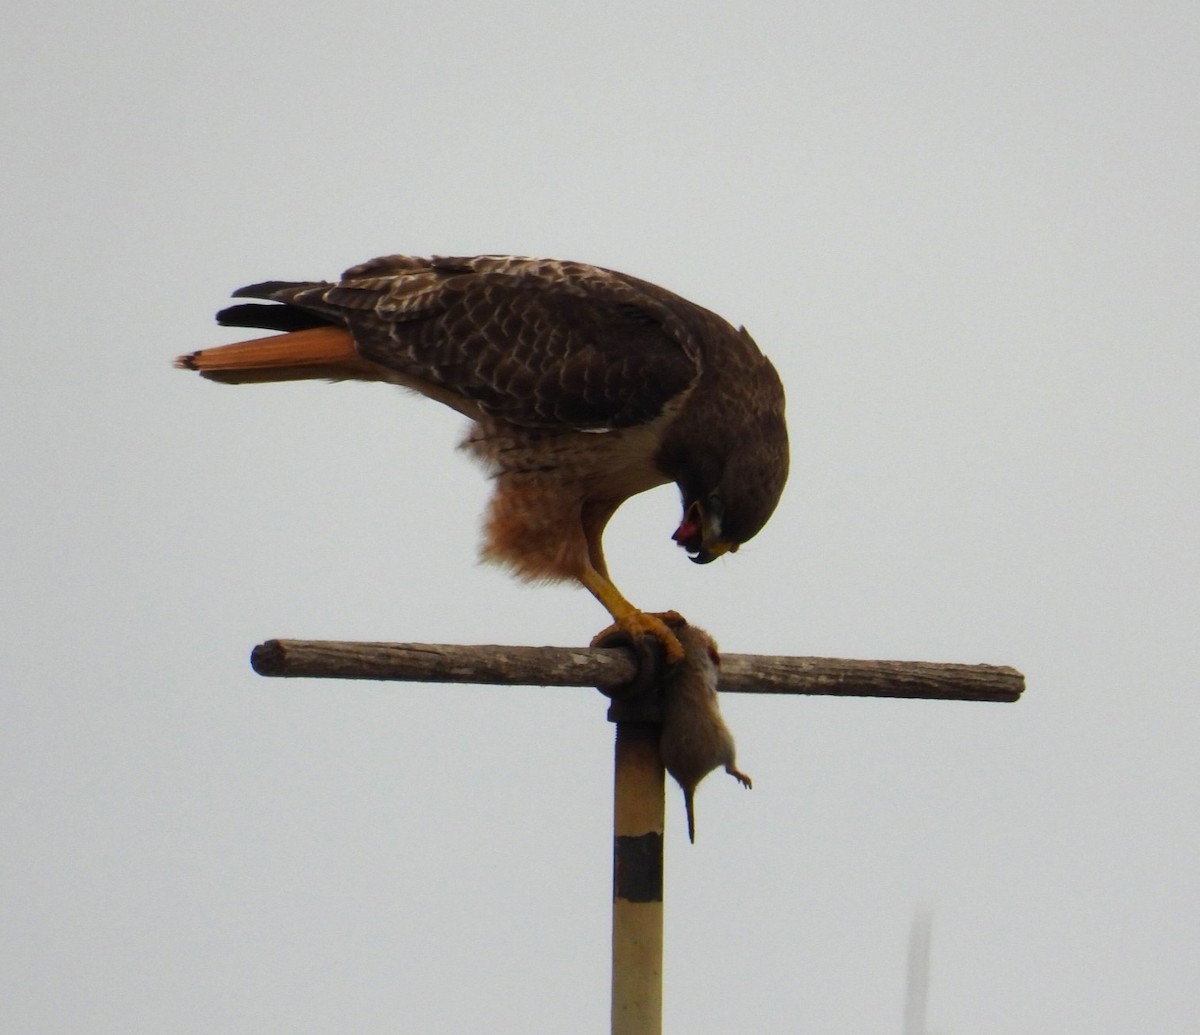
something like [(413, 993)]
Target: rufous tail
[(315, 352)]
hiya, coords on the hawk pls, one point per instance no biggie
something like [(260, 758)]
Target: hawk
[(584, 387)]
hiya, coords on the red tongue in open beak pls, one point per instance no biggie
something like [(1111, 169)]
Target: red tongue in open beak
[(689, 534)]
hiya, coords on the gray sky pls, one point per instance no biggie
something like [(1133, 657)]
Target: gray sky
[(966, 234)]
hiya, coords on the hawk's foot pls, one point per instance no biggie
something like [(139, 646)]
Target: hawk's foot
[(651, 641), (635, 628)]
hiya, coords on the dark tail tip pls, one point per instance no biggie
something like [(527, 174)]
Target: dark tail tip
[(269, 317)]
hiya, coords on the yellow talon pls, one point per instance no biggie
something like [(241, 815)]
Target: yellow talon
[(631, 621), (636, 624)]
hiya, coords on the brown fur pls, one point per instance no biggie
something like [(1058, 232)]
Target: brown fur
[(695, 739)]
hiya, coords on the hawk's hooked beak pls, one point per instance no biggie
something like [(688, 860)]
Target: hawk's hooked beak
[(700, 533)]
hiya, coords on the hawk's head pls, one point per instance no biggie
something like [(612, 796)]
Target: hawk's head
[(727, 448), (730, 488), (715, 523)]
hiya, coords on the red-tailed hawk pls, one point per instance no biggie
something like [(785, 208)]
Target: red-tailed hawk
[(584, 387)]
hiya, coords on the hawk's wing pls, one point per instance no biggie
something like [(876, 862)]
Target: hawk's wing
[(540, 343)]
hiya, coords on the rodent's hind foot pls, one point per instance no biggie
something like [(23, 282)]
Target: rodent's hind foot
[(741, 777)]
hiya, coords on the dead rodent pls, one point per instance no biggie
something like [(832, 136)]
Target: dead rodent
[(695, 739)]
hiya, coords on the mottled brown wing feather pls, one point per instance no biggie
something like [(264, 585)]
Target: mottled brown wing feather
[(540, 343)]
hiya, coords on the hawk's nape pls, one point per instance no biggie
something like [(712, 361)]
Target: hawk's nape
[(584, 387)]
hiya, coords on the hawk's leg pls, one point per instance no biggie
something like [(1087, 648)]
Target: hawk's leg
[(628, 619)]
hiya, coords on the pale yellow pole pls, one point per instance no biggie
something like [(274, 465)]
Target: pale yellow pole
[(637, 918)]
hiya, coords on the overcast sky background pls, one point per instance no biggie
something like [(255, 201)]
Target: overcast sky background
[(967, 234)]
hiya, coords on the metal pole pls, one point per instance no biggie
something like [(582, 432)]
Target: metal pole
[(637, 918)]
